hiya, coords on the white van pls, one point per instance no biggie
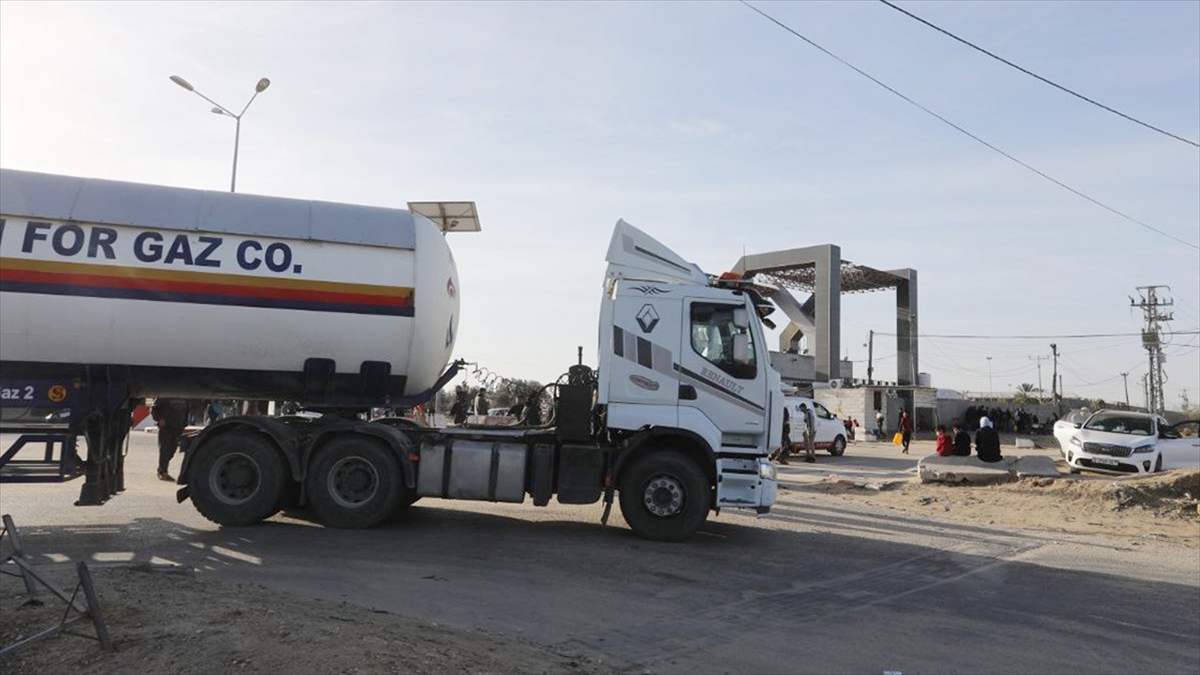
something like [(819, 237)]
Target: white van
[(831, 431)]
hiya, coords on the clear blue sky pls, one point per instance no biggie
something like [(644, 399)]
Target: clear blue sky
[(702, 123)]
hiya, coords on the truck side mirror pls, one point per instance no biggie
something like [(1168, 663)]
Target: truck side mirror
[(741, 348), (741, 317)]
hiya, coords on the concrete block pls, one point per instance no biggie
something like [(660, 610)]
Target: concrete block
[(935, 469), (1036, 465), (1024, 443)]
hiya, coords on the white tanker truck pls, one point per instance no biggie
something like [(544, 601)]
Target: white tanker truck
[(111, 292)]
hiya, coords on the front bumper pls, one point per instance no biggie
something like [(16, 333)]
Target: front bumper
[(1136, 464)]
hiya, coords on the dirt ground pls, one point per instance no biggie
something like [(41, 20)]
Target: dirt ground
[(177, 623), (1163, 507)]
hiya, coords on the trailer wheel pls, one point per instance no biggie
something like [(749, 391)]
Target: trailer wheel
[(665, 496), (354, 483), (838, 448), (238, 479)]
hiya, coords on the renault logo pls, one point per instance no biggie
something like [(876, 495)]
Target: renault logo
[(647, 318)]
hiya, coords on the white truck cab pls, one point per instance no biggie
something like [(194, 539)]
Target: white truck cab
[(683, 355)]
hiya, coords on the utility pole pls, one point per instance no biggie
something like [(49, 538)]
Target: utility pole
[(1054, 389), (1039, 364), (1125, 376), (1151, 305), (870, 356)]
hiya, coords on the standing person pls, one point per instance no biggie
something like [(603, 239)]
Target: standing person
[(532, 415), (906, 429), (171, 414), (962, 441), (987, 442), (879, 424), (481, 402), (944, 447), (810, 433), (785, 442), (459, 409)]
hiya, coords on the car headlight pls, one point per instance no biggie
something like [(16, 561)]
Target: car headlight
[(766, 470), (1144, 448), (1076, 442)]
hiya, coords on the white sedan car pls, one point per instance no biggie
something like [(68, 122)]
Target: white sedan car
[(1122, 442)]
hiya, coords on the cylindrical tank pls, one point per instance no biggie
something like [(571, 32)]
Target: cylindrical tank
[(211, 293)]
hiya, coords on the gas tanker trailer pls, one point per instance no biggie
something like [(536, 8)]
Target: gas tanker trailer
[(111, 292)]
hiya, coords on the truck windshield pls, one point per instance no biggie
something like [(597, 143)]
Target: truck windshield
[(713, 328)]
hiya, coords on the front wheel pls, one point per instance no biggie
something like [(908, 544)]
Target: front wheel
[(839, 447), (1158, 464), (238, 478), (665, 496), (354, 483)]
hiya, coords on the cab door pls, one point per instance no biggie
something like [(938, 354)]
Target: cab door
[(721, 377)]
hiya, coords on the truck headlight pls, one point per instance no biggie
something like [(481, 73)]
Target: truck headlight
[(766, 470), (1144, 448)]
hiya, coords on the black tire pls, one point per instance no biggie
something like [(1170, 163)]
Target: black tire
[(665, 496), (354, 482), (839, 447), (238, 478), (1158, 464)]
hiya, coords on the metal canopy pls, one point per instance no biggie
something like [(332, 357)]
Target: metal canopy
[(855, 278), (449, 216)]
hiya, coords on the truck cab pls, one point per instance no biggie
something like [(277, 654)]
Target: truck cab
[(683, 360)]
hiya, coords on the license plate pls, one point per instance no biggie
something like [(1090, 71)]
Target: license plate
[(1105, 461)]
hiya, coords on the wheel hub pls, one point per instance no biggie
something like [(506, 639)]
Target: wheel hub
[(353, 481), (663, 496), (235, 479)]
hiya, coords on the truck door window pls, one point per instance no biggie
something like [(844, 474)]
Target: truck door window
[(713, 328)]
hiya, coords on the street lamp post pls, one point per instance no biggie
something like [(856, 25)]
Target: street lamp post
[(221, 110), (991, 391)]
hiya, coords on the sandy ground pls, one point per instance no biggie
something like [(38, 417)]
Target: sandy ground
[(1164, 508), (178, 623)]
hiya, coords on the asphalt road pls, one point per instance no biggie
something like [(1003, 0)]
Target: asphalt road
[(820, 586)]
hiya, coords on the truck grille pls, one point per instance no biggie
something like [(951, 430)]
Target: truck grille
[(1106, 449)]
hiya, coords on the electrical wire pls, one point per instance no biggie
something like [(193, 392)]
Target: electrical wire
[(1077, 336), (963, 131), (1038, 77)]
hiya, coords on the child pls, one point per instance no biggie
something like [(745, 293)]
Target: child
[(944, 449)]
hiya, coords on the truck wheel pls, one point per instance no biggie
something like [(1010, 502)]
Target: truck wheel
[(838, 448), (354, 483), (238, 479), (665, 497)]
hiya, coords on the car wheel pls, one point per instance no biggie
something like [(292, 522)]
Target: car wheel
[(354, 483), (664, 496), (1158, 464), (238, 478), (838, 448)]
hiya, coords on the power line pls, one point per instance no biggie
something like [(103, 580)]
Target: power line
[(963, 131), (1077, 336), (1036, 76)]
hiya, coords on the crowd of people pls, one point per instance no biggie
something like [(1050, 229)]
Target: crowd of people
[(1019, 421)]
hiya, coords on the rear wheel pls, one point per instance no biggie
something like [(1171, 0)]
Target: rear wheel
[(665, 496), (354, 483), (839, 447), (238, 478)]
